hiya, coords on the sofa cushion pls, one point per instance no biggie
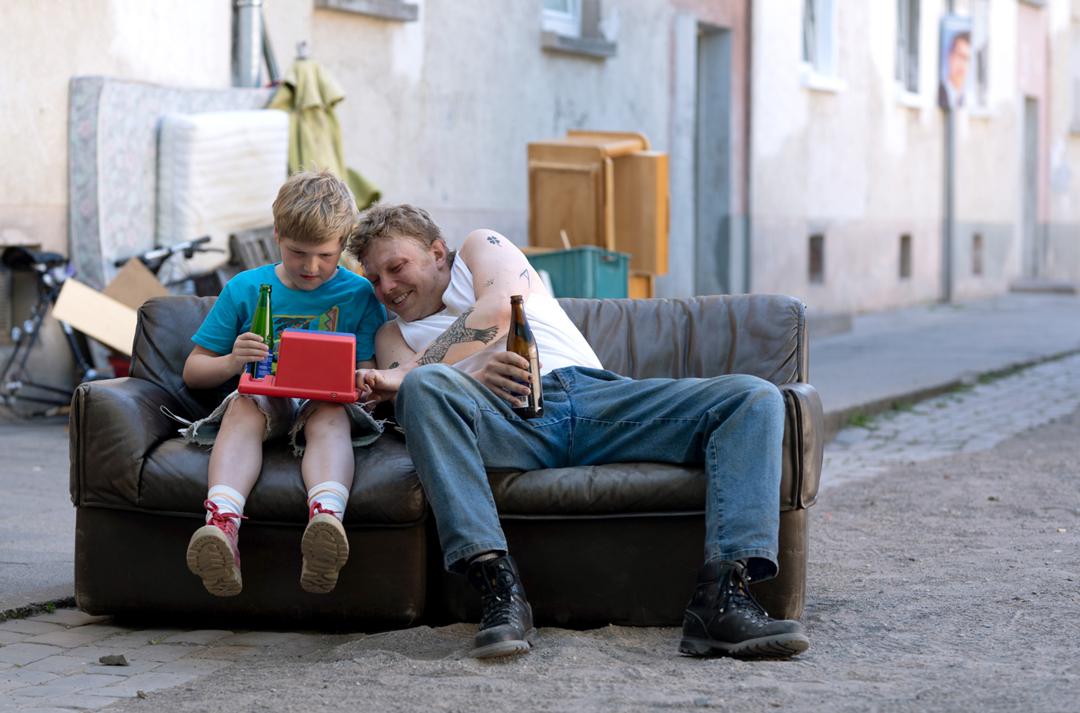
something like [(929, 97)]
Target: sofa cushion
[(698, 336), (385, 491), (600, 490)]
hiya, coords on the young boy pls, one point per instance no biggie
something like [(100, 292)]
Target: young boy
[(313, 215)]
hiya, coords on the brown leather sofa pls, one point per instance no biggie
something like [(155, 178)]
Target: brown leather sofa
[(603, 544)]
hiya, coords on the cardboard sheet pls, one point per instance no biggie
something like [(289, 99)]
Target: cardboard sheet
[(134, 284), (97, 315)]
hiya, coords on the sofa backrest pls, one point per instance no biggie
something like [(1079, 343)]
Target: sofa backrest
[(762, 335), (163, 342)]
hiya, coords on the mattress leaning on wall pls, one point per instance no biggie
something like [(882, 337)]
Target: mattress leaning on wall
[(218, 172)]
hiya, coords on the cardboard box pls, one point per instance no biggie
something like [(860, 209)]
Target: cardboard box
[(109, 316), (134, 284)]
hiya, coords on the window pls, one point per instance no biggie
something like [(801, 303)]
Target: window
[(819, 36), (816, 263), (579, 27), (907, 45), (1074, 72), (977, 254), (563, 17), (980, 51), (905, 257)]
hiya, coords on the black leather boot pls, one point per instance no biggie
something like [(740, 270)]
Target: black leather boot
[(724, 618), (506, 625)]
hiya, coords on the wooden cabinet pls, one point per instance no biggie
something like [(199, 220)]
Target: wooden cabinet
[(602, 188)]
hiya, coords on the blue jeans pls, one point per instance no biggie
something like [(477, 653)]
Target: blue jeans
[(456, 429)]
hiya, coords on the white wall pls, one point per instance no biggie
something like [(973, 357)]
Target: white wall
[(863, 164), (46, 42), (438, 112)]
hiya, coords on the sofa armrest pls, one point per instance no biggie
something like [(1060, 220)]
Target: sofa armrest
[(803, 444), (114, 423)]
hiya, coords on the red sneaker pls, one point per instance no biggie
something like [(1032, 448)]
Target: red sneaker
[(326, 550), (213, 555)]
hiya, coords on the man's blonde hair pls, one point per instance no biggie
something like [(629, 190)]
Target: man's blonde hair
[(392, 221), (313, 207)]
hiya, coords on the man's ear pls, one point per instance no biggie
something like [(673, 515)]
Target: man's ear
[(439, 251)]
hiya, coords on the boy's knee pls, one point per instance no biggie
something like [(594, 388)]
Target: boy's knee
[(244, 410), (326, 418)]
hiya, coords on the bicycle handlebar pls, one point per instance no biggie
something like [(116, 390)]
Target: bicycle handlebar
[(159, 255)]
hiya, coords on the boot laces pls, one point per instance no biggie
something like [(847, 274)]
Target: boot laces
[(738, 589), (317, 508), (497, 599), (221, 519)]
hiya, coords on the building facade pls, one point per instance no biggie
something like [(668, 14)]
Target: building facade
[(807, 148)]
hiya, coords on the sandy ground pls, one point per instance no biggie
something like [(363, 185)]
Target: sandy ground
[(950, 585)]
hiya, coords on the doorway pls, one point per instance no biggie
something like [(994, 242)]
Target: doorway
[(712, 163)]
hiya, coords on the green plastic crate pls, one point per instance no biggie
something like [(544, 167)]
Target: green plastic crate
[(587, 271)]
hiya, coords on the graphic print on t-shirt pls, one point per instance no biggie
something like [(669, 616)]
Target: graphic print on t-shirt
[(325, 322)]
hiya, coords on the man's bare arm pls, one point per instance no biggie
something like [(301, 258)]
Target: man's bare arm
[(456, 333)]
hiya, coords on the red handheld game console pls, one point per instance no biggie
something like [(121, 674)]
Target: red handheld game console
[(311, 365)]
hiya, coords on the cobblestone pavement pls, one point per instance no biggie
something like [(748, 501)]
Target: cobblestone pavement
[(965, 421), (52, 661)]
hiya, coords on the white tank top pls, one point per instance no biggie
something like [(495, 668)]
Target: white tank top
[(557, 339)]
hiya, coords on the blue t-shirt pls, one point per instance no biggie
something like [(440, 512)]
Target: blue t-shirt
[(344, 303)]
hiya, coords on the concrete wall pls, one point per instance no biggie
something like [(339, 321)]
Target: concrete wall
[(1063, 200), (46, 42), (854, 159), (439, 111), (863, 163)]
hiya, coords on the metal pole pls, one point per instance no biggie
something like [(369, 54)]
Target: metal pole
[(247, 43), (949, 217)]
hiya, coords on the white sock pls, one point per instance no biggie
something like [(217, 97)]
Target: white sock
[(331, 495), (227, 500)]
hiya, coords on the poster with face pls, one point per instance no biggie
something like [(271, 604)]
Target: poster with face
[(955, 61)]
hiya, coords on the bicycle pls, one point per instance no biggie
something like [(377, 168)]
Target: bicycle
[(51, 270)]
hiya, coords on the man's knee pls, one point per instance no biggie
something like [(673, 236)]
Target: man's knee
[(426, 386), (761, 395), (427, 380)]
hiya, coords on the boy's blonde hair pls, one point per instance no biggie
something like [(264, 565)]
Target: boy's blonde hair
[(313, 207), (392, 221)]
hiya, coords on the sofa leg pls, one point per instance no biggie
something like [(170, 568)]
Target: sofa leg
[(784, 596)]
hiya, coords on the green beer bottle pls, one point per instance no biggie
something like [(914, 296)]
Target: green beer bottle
[(263, 325), (520, 340)]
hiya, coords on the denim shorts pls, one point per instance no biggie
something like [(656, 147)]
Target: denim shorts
[(284, 417)]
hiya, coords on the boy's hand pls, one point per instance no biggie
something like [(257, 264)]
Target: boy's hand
[(377, 385), (247, 348), (507, 375)]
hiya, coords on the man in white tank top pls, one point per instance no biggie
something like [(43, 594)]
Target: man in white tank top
[(454, 387)]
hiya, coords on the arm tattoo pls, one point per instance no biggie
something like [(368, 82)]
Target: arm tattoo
[(393, 366), (493, 240), (489, 283), (456, 333), (525, 274)]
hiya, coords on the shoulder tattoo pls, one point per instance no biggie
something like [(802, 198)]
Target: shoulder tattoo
[(493, 240)]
